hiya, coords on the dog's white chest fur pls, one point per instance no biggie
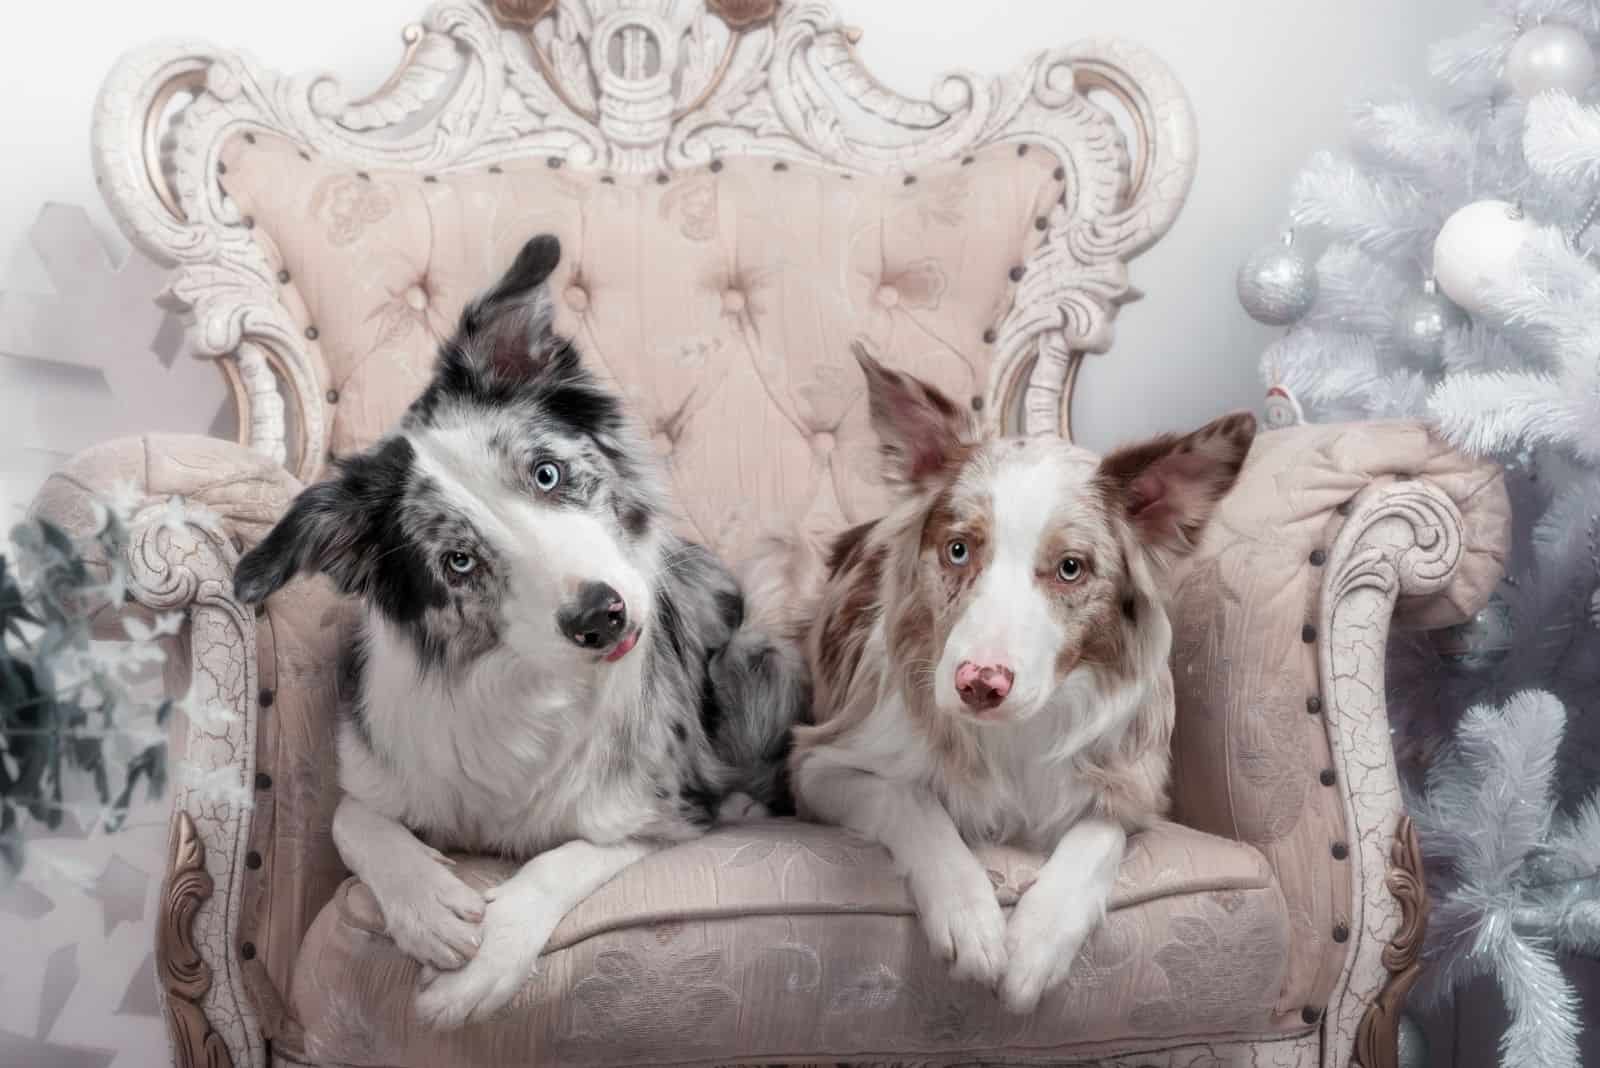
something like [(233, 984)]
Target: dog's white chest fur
[(490, 759)]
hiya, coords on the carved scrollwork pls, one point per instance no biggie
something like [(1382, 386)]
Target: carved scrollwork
[(1377, 1037), (636, 88), (181, 558), (182, 971), (1402, 539)]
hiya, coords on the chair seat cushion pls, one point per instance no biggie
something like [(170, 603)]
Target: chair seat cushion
[(784, 940)]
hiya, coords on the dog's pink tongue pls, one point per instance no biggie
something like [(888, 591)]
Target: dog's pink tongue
[(624, 647)]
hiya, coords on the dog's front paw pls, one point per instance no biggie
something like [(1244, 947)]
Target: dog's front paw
[(1042, 940), (966, 928), (516, 926), (431, 914)]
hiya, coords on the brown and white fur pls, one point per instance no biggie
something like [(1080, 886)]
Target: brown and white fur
[(990, 665)]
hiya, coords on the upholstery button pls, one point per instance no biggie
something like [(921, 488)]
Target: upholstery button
[(248, 951), (333, 396), (1308, 634), (732, 301), (1318, 557), (577, 298), (888, 296), (252, 860), (265, 698), (1310, 1015), (1313, 704), (263, 781), (1328, 778), (416, 298), (1340, 851), (1341, 932)]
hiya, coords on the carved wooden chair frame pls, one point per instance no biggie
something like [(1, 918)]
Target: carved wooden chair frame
[(639, 87)]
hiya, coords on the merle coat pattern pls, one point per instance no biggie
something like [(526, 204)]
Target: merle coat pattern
[(543, 670)]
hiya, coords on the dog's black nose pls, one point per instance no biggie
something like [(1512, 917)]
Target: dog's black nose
[(595, 618)]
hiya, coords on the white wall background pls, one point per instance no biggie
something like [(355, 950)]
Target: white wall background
[(1269, 80)]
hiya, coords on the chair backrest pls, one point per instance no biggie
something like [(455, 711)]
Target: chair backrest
[(738, 200)]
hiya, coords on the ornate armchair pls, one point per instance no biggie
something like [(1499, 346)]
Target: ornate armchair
[(738, 199)]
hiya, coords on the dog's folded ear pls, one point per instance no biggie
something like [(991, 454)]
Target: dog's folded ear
[(921, 432), (1169, 486), (348, 528), (506, 337)]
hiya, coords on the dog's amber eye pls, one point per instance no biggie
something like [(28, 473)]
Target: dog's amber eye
[(957, 553), (460, 563), (1070, 569), (547, 476)]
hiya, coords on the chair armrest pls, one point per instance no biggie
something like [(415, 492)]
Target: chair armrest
[(195, 504), (1281, 620)]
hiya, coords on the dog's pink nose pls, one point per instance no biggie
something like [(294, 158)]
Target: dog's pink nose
[(983, 686)]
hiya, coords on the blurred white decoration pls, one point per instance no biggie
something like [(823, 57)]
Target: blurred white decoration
[(1277, 283), (1413, 1049), (103, 316), (1550, 56), (1475, 254), (1481, 642), (1282, 410)]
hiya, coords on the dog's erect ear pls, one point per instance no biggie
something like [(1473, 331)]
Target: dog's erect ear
[(1170, 485), (506, 336), (920, 431), (319, 527)]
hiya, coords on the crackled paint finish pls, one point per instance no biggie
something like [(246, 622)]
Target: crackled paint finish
[(181, 559), (1403, 538), (767, 91)]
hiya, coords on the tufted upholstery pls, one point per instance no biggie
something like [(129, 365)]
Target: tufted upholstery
[(722, 302)]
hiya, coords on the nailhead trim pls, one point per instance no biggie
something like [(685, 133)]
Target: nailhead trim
[(1344, 508), (1016, 274), (780, 166), (1041, 223), (305, 155), (909, 179), (248, 951), (333, 396), (606, 179), (1022, 150), (495, 168), (988, 337), (1340, 851), (966, 161), (249, 222), (661, 179), (252, 860), (266, 698), (1308, 634), (977, 404), (1328, 778), (1059, 174), (283, 277), (364, 176), (1314, 704), (553, 162), (249, 138), (430, 178), (222, 168), (716, 165), (1341, 932), (263, 781), (1318, 557), (312, 333), (1310, 1015)]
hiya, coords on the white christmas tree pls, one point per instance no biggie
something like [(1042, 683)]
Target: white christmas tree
[(1456, 281)]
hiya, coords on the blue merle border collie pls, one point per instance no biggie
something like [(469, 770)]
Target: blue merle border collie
[(544, 670)]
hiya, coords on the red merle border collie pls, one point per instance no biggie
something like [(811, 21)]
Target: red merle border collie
[(990, 665)]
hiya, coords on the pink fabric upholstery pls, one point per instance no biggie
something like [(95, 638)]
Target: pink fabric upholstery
[(1251, 741), (793, 937), (723, 302)]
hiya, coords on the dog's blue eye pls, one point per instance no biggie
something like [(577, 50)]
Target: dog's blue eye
[(957, 553), (460, 563), (547, 476), (1070, 570)]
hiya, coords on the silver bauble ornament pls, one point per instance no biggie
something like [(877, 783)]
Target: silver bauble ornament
[(1594, 609), (1550, 56), (1423, 321), (1482, 641), (1277, 285), (1475, 254), (1413, 1048)]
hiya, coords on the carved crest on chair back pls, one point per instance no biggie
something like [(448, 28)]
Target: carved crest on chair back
[(635, 87)]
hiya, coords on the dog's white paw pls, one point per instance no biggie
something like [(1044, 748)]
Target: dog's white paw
[(1042, 940), (516, 926), (431, 914), (740, 808), (966, 928)]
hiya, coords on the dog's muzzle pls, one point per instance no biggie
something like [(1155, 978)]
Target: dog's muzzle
[(596, 619)]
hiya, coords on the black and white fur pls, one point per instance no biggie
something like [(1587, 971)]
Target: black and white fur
[(544, 670)]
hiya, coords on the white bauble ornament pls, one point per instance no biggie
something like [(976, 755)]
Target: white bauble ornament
[(1475, 254), (1550, 56), (1423, 321), (1282, 409), (1277, 285)]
